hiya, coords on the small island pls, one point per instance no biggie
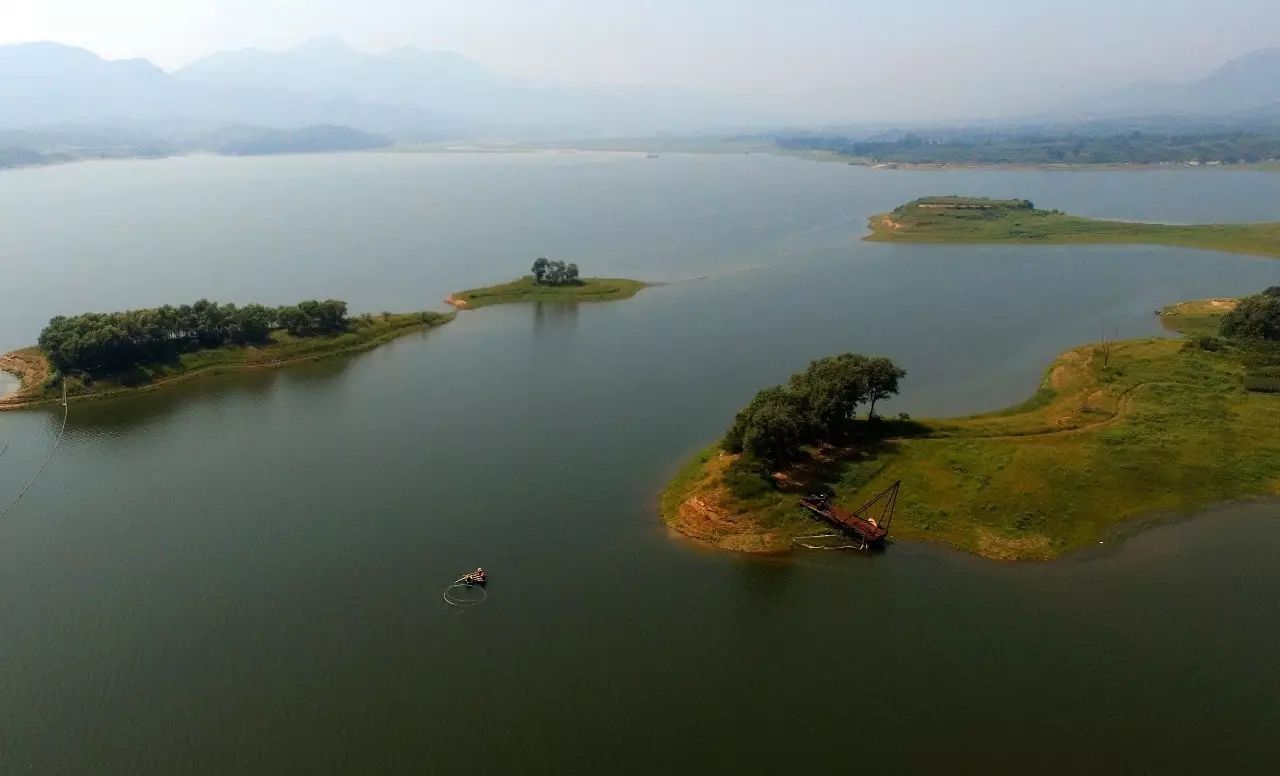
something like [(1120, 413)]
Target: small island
[(548, 281), (95, 355), (955, 219), (1118, 432)]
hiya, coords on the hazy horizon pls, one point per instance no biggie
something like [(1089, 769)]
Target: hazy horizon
[(806, 61)]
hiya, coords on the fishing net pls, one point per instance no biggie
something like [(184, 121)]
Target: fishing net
[(464, 596), (826, 542)]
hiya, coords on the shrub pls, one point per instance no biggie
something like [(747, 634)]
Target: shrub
[(1255, 317), (748, 478), (1262, 384)]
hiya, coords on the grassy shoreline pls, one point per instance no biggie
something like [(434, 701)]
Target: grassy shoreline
[(1116, 434), (33, 369), (874, 164), (985, 221), (525, 290)]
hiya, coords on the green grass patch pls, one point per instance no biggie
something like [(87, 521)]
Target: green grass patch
[(525, 290), (977, 220)]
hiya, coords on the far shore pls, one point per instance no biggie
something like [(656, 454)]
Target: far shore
[(652, 147)]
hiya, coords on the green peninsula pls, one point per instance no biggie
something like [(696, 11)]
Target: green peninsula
[(977, 220), (96, 355), (1118, 432)]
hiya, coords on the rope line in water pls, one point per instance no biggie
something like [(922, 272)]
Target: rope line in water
[(66, 410), (453, 599)]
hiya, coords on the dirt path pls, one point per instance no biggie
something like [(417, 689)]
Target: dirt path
[(1124, 403)]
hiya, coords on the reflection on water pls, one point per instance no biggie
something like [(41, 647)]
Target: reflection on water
[(119, 415), (554, 316)]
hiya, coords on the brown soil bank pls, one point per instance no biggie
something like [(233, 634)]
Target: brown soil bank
[(32, 370)]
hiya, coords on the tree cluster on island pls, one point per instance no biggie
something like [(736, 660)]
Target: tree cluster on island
[(816, 405), (1254, 317), (554, 273), (106, 342)]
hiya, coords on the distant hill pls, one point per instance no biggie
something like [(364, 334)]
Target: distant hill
[(1248, 84), (327, 67), (48, 84), (408, 93)]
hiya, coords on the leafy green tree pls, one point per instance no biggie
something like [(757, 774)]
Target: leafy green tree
[(556, 273), (772, 428), (539, 268), (292, 319), (1254, 317), (332, 316), (571, 275), (882, 376), (252, 324), (816, 405), (831, 389)]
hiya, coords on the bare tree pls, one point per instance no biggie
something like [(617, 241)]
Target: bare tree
[(1105, 347)]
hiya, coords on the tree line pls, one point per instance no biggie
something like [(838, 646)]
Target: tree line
[(554, 273), (1051, 148), (818, 404), (104, 342)]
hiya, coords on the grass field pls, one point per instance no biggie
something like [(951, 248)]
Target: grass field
[(525, 290), (1115, 433), (975, 220), (363, 333)]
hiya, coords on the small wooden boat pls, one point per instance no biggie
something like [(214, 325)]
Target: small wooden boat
[(477, 577)]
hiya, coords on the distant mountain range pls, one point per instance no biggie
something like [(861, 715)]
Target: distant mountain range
[(59, 102), (449, 83), (50, 85), (1248, 85), (408, 93)]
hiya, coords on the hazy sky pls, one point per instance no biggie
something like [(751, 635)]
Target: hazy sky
[(822, 59)]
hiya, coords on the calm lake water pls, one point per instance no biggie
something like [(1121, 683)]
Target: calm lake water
[(244, 575)]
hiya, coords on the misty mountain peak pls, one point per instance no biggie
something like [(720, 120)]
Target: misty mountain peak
[(45, 54), (1248, 82), (1257, 72)]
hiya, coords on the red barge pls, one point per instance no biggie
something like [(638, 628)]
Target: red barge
[(868, 524)]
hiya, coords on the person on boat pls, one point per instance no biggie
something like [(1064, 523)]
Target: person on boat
[(477, 575)]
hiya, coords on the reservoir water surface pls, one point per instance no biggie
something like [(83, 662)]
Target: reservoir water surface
[(244, 574)]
